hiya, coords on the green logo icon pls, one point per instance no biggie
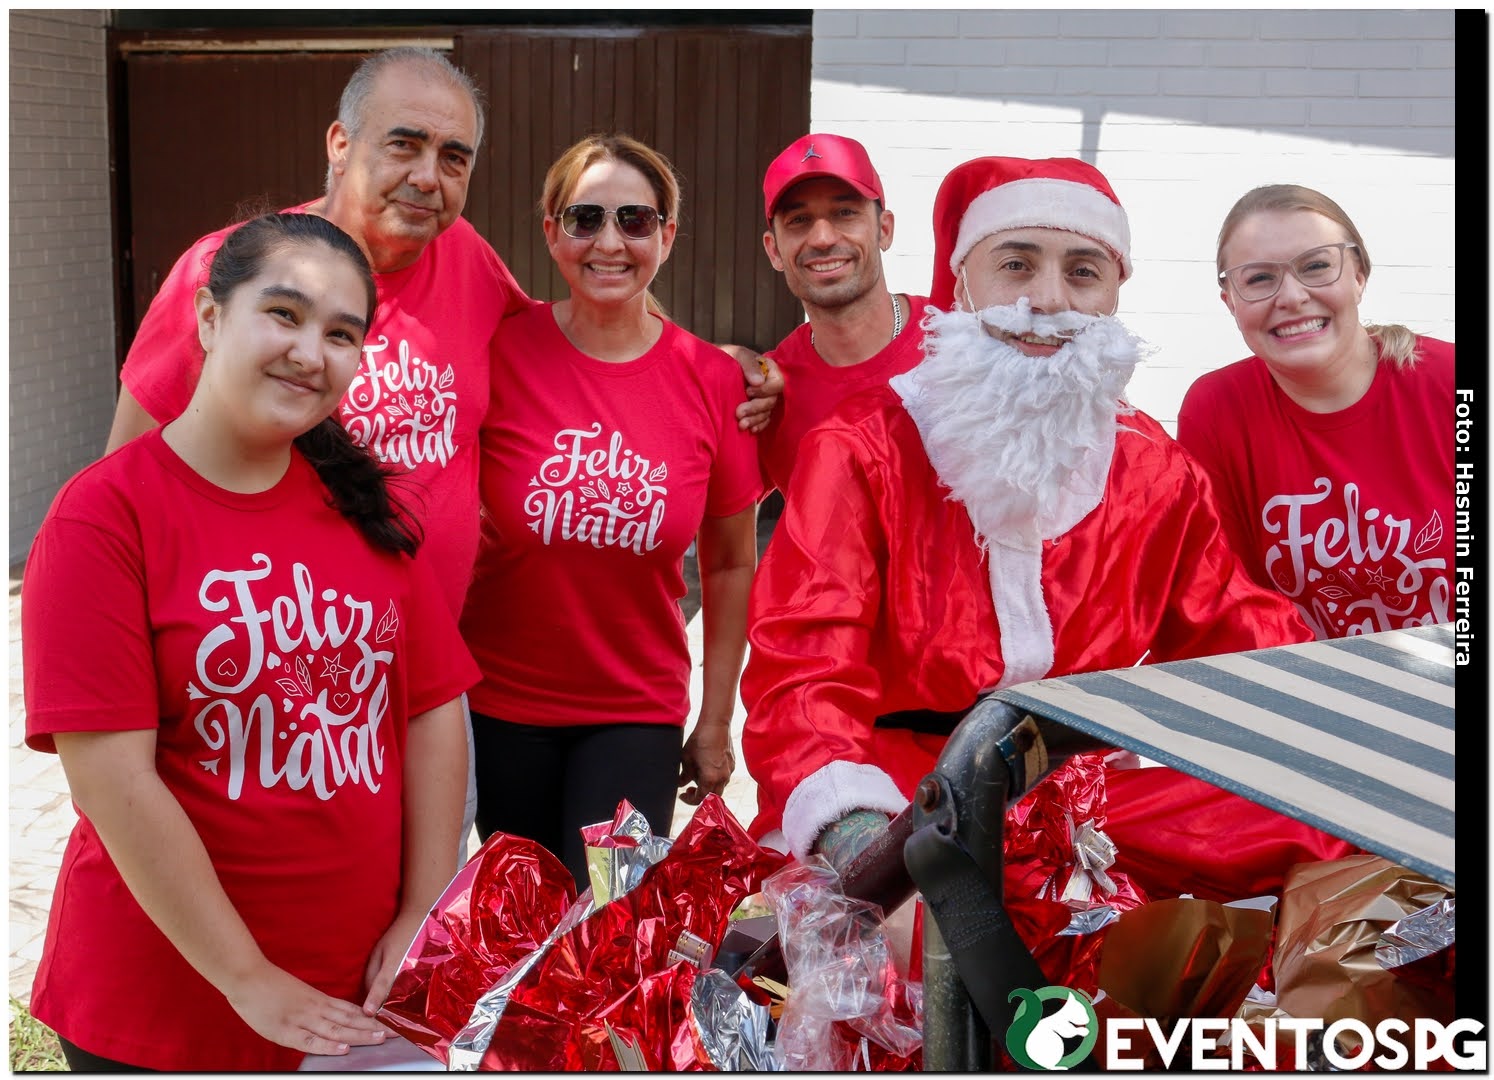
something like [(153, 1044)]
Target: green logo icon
[(1036, 1041)]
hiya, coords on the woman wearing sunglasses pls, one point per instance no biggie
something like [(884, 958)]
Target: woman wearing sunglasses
[(1330, 449), (610, 443)]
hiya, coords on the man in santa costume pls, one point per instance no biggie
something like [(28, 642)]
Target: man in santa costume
[(997, 514)]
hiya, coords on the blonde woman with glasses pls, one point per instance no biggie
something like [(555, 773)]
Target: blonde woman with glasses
[(611, 442), (1331, 448)]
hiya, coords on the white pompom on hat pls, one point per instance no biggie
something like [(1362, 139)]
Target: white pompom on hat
[(993, 194)]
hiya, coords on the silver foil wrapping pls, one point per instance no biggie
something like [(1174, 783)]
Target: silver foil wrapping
[(731, 1027), (1090, 920), (1417, 935)]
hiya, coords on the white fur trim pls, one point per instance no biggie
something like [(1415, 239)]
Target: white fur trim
[(1039, 202), (1021, 612), (1078, 498), (775, 840), (829, 794)]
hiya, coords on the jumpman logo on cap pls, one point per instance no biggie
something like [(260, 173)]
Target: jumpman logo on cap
[(809, 154)]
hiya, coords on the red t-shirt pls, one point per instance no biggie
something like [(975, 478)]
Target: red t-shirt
[(417, 400), (278, 656), (595, 478), (812, 388), (1350, 514), (874, 597)]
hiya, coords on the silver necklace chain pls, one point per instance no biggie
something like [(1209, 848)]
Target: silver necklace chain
[(897, 323)]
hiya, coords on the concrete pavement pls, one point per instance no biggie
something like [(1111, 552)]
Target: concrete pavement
[(41, 816)]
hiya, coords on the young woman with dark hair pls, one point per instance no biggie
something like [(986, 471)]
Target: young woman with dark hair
[(254, 691)]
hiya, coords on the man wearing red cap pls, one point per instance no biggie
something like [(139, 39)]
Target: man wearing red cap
[(827, 229), (997, 514)]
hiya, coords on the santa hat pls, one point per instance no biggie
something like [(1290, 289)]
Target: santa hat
[(992, 194)]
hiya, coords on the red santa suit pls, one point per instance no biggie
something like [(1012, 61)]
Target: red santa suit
[(875, 599)]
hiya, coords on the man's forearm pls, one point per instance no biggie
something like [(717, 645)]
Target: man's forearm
[(843, 840)]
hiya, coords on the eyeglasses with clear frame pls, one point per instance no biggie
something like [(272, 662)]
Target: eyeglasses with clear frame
[(582, 221), (1315, 268)]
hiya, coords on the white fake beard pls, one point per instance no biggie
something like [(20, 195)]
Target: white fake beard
[(1023, 442)]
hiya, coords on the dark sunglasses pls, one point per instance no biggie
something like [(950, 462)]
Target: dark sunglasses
[(582, 221)]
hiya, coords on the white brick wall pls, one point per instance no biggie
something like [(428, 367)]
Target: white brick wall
[(1184, 111), (61, 269)]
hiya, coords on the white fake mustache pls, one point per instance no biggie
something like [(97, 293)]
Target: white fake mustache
[(1019, 318)]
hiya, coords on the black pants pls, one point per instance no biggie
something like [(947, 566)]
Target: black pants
[(80, 1060), (545, 783)]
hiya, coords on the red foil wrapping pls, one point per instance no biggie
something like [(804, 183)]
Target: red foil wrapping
[(499, 908), (613, 968), (1041, 861), (1041, 823), (1042, 829)]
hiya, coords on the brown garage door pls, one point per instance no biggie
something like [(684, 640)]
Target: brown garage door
[(203, 134), (719, 103), (206, 136)]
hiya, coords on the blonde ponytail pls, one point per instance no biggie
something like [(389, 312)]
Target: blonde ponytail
[(1394, 343)]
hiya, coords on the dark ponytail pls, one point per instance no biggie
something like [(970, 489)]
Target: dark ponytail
[(356, 483), (358, 487)]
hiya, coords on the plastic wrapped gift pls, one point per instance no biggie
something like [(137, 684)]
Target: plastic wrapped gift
[(569, 982), (847, 1007)]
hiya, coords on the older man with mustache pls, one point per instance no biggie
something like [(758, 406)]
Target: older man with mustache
[(997, 515), (399, 162)]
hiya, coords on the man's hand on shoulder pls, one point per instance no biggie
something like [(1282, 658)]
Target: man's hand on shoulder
[(764, 385)]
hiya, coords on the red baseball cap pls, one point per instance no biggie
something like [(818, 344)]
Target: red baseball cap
[(820, 155)]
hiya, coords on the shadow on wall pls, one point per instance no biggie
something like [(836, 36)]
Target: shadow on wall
[(1373, 79)]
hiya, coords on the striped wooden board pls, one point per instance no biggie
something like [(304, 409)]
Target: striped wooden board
[(1354, 736)]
